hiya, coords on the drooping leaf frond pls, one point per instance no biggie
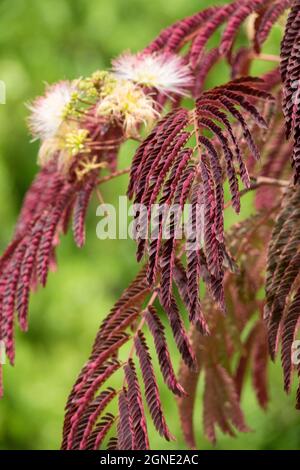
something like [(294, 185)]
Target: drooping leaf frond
[(90, 395), (189, 156), (282, 283), (290, 69), (168, 165), (224, 355), (31, 253)]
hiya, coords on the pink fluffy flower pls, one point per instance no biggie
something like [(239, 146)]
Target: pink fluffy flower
[(166, 72), (47, 111)]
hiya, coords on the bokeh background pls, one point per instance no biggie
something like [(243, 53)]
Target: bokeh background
[(44, 41)]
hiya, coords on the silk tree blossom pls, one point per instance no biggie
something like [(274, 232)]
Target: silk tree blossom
[(166, 72), (70, 141), (61, 138), (63, 118), (128, 105), (47, 112)]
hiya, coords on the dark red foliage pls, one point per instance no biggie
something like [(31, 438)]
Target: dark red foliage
[(268, 19), (151, 387), (189, 156), (125, 431), (282, 291), (288, 336), (161, 166), (36, 235), (136, 409), (80, 208), (290, 72), (157, 330), (170, 169), (255, 352)]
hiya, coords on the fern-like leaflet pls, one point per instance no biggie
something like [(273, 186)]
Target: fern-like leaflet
[(85, 405), (172, 168), (190, 154), (282, 283)]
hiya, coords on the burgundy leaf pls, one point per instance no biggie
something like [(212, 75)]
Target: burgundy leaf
[(125, 431), (151, 387), (136, 408), (157, 330), (288, 336), (80, 209)]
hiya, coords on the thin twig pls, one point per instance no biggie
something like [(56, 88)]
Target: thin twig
[(142, 322), (101, 200), (99, 196), (257, 183), (114, 175), (266, 57), (262, 180)]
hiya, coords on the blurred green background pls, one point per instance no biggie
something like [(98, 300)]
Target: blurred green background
[(44, 41)]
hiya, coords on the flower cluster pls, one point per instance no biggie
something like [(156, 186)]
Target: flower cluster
[(50, 121), (165, 72), (191, 156), (47, 112), (127, 103), (81, 120)]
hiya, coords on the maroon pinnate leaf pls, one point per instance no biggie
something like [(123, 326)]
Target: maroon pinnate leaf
[(136, 408), (125, 431), (151, 387), (157, 330)]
